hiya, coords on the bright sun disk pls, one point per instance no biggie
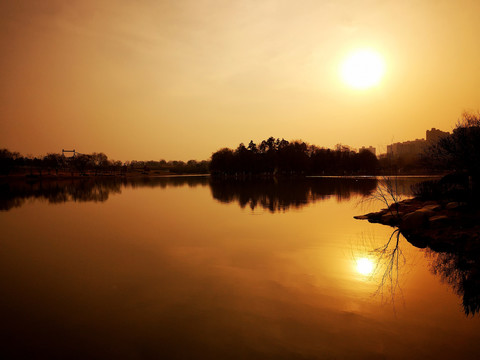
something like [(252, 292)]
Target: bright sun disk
[(362, 69)]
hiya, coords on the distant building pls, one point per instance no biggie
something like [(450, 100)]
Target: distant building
[(407, 148), (415, 147), (370, 148), (434, 135)]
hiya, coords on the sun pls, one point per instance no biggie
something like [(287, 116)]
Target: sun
[(362, 69)]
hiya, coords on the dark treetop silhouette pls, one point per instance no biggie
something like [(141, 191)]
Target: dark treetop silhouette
[(281, 157)]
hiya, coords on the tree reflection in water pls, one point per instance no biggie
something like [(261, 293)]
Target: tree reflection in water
[(388, 263), (16, 193), (459, 269), (282, 194), (274, 195)]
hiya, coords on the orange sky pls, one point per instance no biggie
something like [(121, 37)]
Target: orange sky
[(180, 79)]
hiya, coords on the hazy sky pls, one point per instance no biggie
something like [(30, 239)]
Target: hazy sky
[(179, 79)]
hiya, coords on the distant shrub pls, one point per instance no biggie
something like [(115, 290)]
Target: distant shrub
[(427, 190), (452, 187)]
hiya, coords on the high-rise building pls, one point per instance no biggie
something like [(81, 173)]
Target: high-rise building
[(407, 148), (434, 135), (417, 146)]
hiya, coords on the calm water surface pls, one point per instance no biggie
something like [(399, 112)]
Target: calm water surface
[(189, 268)]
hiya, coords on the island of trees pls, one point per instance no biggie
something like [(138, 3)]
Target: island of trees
[(281, 157)]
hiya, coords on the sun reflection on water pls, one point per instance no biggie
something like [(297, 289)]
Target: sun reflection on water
[(364, 266)]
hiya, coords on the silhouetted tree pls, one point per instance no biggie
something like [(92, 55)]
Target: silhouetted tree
[(460, 152), (81, 163), (8, 161), (252, 147), (367, 163), (222, 161), (461, 149), (54, 162), (100, 162)]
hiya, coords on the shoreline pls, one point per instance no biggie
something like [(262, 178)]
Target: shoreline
[(65, 176)]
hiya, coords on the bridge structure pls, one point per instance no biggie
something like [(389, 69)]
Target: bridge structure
[(69, 151)]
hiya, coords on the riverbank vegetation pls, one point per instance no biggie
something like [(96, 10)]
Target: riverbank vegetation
[(96, 164)]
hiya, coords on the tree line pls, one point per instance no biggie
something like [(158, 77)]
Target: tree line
[(281, 157), (459, 152), (91, 164)]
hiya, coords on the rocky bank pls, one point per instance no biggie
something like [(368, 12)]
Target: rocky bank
[(442, 226)]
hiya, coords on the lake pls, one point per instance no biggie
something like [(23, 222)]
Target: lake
[(195, 268)]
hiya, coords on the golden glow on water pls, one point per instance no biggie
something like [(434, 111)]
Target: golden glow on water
[(364, 266), (183, 268)]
